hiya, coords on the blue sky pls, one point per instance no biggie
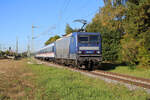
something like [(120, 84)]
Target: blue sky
[(17, 17)]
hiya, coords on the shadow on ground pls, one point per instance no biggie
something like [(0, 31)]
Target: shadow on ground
[(110, 66)]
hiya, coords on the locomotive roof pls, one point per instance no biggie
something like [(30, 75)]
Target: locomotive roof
[(64, 36)]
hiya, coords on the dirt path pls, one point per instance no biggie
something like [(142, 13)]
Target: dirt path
[(15, 80)]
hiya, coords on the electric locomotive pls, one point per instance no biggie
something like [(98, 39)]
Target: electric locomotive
[(77, 49)]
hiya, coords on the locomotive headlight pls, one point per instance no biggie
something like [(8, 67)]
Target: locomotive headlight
[(79, 52), (98, 51)]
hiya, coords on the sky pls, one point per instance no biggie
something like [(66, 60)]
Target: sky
[(48, 16)]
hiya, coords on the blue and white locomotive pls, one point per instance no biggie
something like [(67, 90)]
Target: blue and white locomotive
[(77, 49)]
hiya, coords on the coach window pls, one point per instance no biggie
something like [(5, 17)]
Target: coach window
[(50, 49), (53, 48)]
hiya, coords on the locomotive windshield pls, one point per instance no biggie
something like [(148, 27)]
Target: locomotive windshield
[(93, 38), (83, 39), (88, 39)]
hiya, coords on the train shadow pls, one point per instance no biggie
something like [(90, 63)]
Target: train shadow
[(110, 66)]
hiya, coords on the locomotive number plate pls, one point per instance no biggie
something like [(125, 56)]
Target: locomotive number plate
[(88, 51)]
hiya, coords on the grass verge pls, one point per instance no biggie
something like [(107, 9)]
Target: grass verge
[(61, 84), (138, 72)]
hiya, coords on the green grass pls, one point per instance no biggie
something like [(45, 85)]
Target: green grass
[(138, 72), (61, 84)]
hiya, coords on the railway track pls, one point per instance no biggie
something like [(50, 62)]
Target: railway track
[(131, 80), (142, 82)]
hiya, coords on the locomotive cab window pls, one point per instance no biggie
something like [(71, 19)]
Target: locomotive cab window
[(83, 39), (88, 39)]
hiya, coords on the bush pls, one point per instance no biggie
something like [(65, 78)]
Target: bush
[(143, 55), (134, 52), (129, 50)]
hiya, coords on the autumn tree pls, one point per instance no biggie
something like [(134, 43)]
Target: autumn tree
[(52, 39), (69, 30), (136, 41)]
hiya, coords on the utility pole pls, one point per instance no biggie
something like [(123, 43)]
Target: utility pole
[(28, 47), (0, 47), (32, 44), (32, 48), (0, 51), (16, 45)]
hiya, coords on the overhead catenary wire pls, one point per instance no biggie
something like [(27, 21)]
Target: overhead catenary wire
[(83, 6), (45, 32), (62, 13), (67, 5), (91, 13)]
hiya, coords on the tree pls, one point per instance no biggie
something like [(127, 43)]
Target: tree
[(137, 29), (134, 1), (52, 39), (68, 29), (115, 2)]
